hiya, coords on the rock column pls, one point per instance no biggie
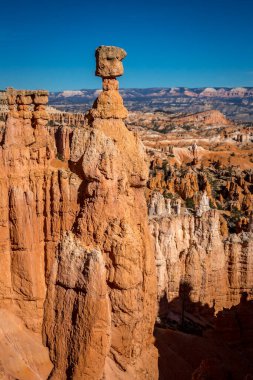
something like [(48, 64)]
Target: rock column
[(109, 312)]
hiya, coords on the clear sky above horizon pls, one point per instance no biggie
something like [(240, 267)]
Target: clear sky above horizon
[(194, 43)]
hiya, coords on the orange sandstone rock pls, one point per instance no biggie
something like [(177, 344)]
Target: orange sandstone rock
[(110, 240), (108, 61)]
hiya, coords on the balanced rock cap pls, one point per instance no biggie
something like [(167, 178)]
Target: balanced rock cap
[(108, 61)]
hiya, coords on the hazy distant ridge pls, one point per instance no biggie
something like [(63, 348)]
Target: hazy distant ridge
[(236, 103)]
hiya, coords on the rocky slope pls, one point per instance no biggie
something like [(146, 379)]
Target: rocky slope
[(202, 118), (79, 270)]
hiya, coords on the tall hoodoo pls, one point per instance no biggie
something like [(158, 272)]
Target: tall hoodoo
[(103, 279)]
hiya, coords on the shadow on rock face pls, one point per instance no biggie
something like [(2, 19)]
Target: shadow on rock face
[(194, 344)]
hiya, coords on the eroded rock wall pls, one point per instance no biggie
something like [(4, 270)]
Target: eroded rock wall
[(113, 220), (75, 244), (192, 249), (118, 283), (25, 155)]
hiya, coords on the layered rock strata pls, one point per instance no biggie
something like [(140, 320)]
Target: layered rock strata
[(26, 151), (75, 244), (196, 250), (65, 118), (111, 331)]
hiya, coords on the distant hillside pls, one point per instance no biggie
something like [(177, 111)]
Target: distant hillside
[(235, 103)]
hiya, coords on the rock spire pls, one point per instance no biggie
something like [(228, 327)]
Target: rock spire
[(104, 272), (109, 103)]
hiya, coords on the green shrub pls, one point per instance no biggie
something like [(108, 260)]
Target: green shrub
[(189, 203), (60, 156), (168, 195)]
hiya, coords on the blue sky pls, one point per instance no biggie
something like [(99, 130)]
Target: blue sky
[(194, 43)]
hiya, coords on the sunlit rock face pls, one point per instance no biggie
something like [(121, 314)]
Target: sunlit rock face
[(76, 251), (26, 152), (196, 250), (108, 61), (115, 315), (109, 104)]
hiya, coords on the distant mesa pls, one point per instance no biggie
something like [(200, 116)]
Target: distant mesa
[(208, 92), (240, 91)]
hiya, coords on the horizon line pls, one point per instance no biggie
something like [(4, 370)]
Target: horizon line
[(133, 88)]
